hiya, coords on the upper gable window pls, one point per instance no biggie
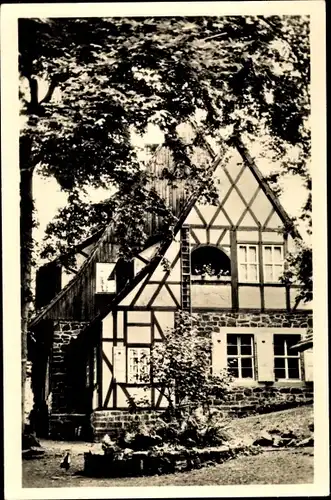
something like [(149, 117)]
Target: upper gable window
[(209, 262), (248, 263), (273, 262)]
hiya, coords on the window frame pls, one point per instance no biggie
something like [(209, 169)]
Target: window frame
[(273, 264), (240, 356), (130, 373), (248, 263), (286, 356)]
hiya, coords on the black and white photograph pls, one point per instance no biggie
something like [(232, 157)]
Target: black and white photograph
[(164, 235)]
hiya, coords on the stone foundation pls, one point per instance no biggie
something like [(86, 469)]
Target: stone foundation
[(211, 322), (112, 422), (242, 401)]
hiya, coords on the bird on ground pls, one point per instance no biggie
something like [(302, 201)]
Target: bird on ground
[(65, 464)]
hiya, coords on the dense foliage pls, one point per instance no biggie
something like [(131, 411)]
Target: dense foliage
[(180, 366), (198, 429), (246, 75)]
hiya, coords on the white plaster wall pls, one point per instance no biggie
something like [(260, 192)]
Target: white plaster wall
[(274, 297), (210, 295), (249, 297)]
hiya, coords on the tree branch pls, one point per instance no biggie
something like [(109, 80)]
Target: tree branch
[(296, 304), (50, 91), (218, 35), (55, 80), (33, 83)]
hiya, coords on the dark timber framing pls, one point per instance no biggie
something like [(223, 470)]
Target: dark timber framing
[(234, 269), (261, 273)]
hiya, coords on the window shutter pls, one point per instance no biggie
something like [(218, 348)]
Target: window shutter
[(309, 365), (265, 356), (119, 364), (219, 360)]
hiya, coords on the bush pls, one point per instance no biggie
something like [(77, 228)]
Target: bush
[(192, 429), (139, 437), (204, 429)]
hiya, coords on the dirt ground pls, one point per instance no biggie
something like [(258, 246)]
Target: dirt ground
[(277, 466), (295, 420)]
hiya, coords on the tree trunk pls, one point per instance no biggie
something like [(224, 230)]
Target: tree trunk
[(26, 247)]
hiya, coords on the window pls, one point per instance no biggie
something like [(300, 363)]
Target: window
[(105, 279), (138, 365), (240, 355), (273, 262), (286, 363), (209, 261), (248, 263)]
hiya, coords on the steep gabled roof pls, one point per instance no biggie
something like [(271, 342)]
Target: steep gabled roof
[(92, 258), (187, 206)]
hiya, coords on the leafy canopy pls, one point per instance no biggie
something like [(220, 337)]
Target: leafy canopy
[(109, 77)]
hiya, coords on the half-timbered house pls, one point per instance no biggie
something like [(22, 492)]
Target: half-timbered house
[(95, 327)]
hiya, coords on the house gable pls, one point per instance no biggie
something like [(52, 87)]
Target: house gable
[(242, 201), (246, 220)]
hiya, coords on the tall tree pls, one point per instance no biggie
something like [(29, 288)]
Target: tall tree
[(247, 75)]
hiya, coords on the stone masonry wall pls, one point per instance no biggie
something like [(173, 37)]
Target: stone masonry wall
[(211, 322), (112, 422), (64, 333), (64, 424), (243, 401), (261, 397), (239, 403)]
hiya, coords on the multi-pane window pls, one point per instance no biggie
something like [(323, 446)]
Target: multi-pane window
[(248, 263), (286, 363), (240, 355), (273, 262), (138, 365)]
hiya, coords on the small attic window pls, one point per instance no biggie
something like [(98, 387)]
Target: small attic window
[(209, 262), (105, 277)]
